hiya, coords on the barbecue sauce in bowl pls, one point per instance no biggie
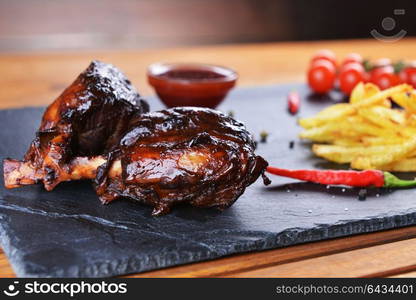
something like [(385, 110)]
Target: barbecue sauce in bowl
[(191, 84)]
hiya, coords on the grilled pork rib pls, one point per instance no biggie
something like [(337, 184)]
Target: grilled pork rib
[(183, 155), (87, 119), (97, 130)]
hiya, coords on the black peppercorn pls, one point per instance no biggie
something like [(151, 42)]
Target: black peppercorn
[(263, 136), (362, 195)]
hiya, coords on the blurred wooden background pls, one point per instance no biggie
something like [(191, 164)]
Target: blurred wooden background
[(27, 25)]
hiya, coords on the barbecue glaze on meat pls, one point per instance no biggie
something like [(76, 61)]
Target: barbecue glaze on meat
[(99, 129), (182, 155), (87, 119)]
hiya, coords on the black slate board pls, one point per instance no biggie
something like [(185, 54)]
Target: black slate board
[(67, 232)]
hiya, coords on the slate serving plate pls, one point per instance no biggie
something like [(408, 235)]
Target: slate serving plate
[(68, 233)]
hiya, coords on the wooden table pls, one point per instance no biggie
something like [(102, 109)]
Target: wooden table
[(36, 79)]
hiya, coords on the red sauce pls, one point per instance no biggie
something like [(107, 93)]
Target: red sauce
[(191, 84), (192, 74)]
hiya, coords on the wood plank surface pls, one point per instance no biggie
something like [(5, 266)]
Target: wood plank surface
[(36, 79), (381, 260), (5, 268), (244, 262), (404, 275)]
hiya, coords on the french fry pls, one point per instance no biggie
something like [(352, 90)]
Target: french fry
[(393, 154), (380, 140), (347, 142), (401, 100), (339, 111), (323, 115), (405, 165), (363, 91), (411, 120), (331, 131), (406, 100), (411, 101), (382, 116), (342, 154), (358, 93), (366, 128), (353, 127), (375, 98), (367, 132)]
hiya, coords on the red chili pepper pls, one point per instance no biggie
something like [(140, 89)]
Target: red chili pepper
[(293, 102), (349, 178)]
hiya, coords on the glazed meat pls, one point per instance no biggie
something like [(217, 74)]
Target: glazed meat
[(181, 155), (100, 129), (87, 119)]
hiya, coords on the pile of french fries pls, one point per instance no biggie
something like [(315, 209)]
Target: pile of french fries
[(368, 132)]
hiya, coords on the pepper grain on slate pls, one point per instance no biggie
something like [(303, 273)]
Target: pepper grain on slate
[(362, 195), (263, 136)]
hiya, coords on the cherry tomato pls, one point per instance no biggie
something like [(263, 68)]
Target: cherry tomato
[(376, 71), (367, 77), (326, 55), (408, 75), (352, 57), (351, 74), (321, 76), (384, 77)]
